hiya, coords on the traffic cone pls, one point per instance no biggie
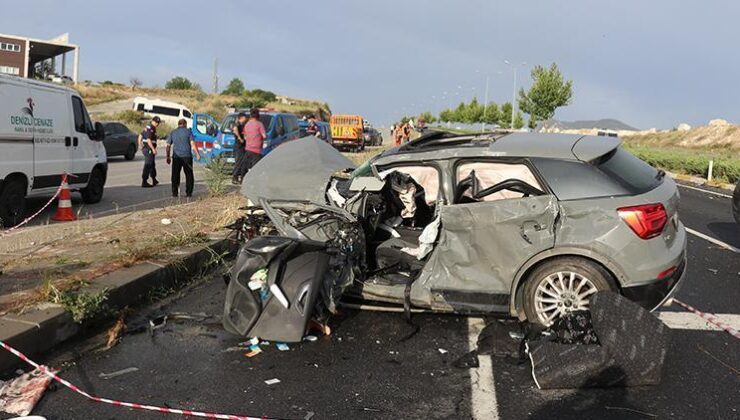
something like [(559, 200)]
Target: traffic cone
[(64, 208)]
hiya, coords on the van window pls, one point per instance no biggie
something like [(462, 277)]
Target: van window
[(82, 119), (291, 124), (163, 110), (279, 128), (186, 113), (140, 107)]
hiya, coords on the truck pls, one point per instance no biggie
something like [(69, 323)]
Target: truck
[(347, 132)]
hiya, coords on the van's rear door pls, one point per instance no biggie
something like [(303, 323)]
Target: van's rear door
[(53, 136), (205, 130), (16, 129)]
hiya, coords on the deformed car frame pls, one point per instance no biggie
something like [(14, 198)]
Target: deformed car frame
[(524, 224)]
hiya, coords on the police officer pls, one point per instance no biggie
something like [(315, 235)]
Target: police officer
[(239, 149), (148, 145)]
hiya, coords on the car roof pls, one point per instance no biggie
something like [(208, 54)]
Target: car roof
[(441, 145)]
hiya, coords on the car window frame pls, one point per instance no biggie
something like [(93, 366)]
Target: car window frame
[(434, 164), (489, 159)]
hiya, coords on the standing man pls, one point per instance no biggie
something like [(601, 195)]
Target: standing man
[(239, 149), (182, 144), (148, 145), (254, 135)]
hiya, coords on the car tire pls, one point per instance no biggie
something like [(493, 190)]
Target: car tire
[(93, 193), (130, 152), (736, 203), (576, 278), (12, 202)]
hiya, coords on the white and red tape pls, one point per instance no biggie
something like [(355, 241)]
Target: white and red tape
[(135, 406), (709, 318)]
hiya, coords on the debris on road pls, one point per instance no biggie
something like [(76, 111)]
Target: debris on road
[(442, 351), (467, 361), (282, 347), (114, 334), (118, 373), (20, 395), (254, 350), (272, 381), (631, 349), (310, 338), (166, 222)]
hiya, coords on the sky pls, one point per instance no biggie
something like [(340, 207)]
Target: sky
[(647, 63)]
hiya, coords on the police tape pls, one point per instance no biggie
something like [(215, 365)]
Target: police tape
[(712, 319), (33, 216), (135, 406)]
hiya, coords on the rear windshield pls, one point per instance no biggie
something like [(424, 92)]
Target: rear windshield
[(634, 174), (228, 124)]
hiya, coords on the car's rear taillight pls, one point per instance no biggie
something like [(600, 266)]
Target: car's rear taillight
[(647, 221)]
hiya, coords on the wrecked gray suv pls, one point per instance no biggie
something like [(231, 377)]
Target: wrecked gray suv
[(524, 224)]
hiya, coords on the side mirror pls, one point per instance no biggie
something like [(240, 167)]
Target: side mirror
[(99, 132)]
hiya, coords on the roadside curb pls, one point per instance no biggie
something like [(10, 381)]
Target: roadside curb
[(43, 328), (700, 182)]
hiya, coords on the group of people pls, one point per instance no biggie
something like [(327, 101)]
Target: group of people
[(401, 133), (249, 135)]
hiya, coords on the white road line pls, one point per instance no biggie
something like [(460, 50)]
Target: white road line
[(483, 391), (713, 240), (691, 321), (704, 191)]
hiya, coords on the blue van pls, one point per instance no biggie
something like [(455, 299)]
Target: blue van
[(280, 127), (324, 127)]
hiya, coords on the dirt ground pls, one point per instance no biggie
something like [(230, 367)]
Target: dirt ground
[(72, 254)]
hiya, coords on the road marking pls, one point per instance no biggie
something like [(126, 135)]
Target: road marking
[(691, 321), (704, 191), (713, 240), (483, 391)]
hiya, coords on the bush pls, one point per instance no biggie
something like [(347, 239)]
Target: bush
[(179, 83), (217, 177)]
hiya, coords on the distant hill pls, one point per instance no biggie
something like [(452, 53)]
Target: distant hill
[(606, 123)]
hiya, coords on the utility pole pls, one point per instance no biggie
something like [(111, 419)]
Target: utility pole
[(215, 76), (513, 96), (485, 107)]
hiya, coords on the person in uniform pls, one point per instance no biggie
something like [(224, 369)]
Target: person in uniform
[(181, 144), (148, 145), (240, 145)]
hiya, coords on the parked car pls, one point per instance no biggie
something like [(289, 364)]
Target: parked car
[(736, 202), (119, 140), (169, 112), (46, 132), (372, 136), (214, 139), (525, 224), (324, 128)]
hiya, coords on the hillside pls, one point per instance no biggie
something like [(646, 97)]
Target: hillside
[(718, 135), (605, 124), (112, 99)]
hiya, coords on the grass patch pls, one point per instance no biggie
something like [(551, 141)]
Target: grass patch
[(82, 305), (217, 177), (690, 162)]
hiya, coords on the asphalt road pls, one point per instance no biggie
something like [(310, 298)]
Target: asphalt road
[(364, 370), (123, 192)]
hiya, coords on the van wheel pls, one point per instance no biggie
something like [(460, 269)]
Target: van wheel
[(562, 286), (93, 193), (12, 203), (130, 153)]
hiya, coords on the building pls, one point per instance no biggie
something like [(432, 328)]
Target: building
[(19, 55)]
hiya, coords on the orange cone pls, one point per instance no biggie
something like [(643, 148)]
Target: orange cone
[(64, 208)]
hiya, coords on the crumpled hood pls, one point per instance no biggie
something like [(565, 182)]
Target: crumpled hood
[(297, 170)]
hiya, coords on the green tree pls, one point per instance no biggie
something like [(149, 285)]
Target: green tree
[(504, 116), (473, 112), (235, 88), (459, 113), (519, 121), (265, 95), (428, 117), (490, 114), (446, 115), (548, 92), (179, 83)]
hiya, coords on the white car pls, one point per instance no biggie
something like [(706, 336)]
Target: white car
[(46, 132)]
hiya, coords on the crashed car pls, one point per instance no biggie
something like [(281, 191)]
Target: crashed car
[(524, 224)]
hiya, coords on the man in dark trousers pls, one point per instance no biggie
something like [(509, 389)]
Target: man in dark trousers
[(148, 145), (239, 149), (182, 144)]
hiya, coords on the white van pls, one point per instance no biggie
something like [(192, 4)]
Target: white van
[(45, 132), (169, 112)]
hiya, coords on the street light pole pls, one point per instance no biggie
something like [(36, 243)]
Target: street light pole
[(513, 96), (485, 106)]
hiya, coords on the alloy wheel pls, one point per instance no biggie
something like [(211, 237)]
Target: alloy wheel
[(561, 293)]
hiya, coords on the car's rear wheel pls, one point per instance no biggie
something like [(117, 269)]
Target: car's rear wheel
[(12, 202), (130, 152), (562, 286)]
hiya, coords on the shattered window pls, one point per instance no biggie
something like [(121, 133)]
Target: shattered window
[(490, 174), (426, 176)]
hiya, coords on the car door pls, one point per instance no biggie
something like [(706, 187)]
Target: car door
[(277, 135), (52, 142), (483, 241), (83, 155), (205, 132), (111, 142)]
